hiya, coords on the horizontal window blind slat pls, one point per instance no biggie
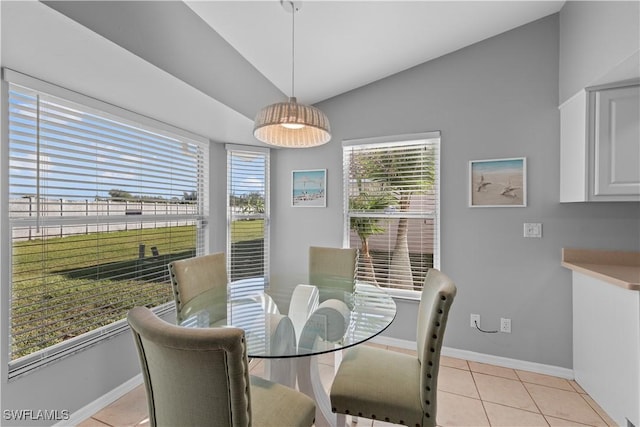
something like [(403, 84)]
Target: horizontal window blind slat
[(247, 195), (59, 113), (391, 199), (98, 207)]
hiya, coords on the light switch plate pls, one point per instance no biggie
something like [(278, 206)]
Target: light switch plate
[(532, 229)]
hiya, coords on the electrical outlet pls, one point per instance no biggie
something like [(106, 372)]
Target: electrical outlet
[(475, 320), (505, 325)]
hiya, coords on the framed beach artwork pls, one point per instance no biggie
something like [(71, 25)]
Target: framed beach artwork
[(309, 188), (498, 182)]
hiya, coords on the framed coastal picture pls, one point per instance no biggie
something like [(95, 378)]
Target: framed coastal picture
[(498, 182), (309, 188)]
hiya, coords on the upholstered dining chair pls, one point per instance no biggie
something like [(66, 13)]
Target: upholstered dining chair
[(332, 270), (200, 377), (192, 276), (396, 387)]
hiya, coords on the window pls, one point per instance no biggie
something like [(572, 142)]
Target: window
[(100, 201), (248, 217), (391, 199)]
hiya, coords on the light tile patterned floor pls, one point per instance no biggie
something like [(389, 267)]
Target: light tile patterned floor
[(469, 394)]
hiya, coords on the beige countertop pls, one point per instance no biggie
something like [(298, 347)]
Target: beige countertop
[(618, 268)]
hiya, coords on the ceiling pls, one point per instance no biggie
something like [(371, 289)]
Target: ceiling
[(228, 59), (342, 45)]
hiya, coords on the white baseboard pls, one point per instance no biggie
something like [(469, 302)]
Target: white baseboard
[(88, 410), (95, 406), (505, 362)]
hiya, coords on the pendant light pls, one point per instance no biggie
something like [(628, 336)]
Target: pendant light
[(289, 124)]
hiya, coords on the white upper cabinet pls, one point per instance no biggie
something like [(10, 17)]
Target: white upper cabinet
[(600, 144), (616, 141)]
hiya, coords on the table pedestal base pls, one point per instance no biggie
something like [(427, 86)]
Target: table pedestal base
[(310, 384), (281, 371)]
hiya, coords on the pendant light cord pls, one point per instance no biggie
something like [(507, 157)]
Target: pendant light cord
[(293, 48)]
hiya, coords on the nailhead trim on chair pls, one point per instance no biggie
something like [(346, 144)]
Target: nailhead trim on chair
[(246, 389), (430, 362), (174, 284)]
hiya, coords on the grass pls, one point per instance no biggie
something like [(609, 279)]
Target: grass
[(64, 287), (243, 230)]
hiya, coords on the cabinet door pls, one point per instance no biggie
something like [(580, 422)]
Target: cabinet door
[(616, 142)]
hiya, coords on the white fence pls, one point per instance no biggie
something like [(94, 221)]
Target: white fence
[(59, 217)]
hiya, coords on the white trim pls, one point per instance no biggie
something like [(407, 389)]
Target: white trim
[(392, 139), (506, 362), (103, 401), (404, 294), (394, 342), (473, 356), (247, 148)]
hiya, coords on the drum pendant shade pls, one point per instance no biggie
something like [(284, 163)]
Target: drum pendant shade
[(289, 124), (292, 125)]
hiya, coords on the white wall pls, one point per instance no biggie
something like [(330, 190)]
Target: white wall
[(171, 36), (495, 99), (596, 37)]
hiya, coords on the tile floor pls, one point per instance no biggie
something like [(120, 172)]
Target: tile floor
[(470, 394)]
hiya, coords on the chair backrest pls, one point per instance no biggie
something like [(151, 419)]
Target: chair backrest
[(192, 376), (436, 299), (192, 276), (332, 270)]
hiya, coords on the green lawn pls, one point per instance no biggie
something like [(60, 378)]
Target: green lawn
[(89, 281), (242, 230), (93, 280)]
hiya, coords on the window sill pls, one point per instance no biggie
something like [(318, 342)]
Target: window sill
[(403, 294)]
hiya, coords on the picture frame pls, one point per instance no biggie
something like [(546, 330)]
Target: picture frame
[(498, 182), (309, 188)]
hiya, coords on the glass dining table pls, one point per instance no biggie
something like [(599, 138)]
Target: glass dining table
[(315, 321)]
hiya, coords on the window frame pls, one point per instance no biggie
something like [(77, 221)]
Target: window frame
[(233, 149), (396, 141), (55, 352)]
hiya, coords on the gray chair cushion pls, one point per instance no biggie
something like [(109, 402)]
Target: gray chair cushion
[(379, 384), (274, 405)]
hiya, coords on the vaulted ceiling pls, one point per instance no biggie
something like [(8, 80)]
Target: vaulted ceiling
[(228, 59), (342, 45)]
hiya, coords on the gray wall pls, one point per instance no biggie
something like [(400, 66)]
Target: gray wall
[(595, 37), (495, 99)]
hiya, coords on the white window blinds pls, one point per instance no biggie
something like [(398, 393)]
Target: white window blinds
[(391, 199), (98, 205), (248, 217)]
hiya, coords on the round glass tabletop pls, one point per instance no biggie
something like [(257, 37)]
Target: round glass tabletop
[(317, 320)]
